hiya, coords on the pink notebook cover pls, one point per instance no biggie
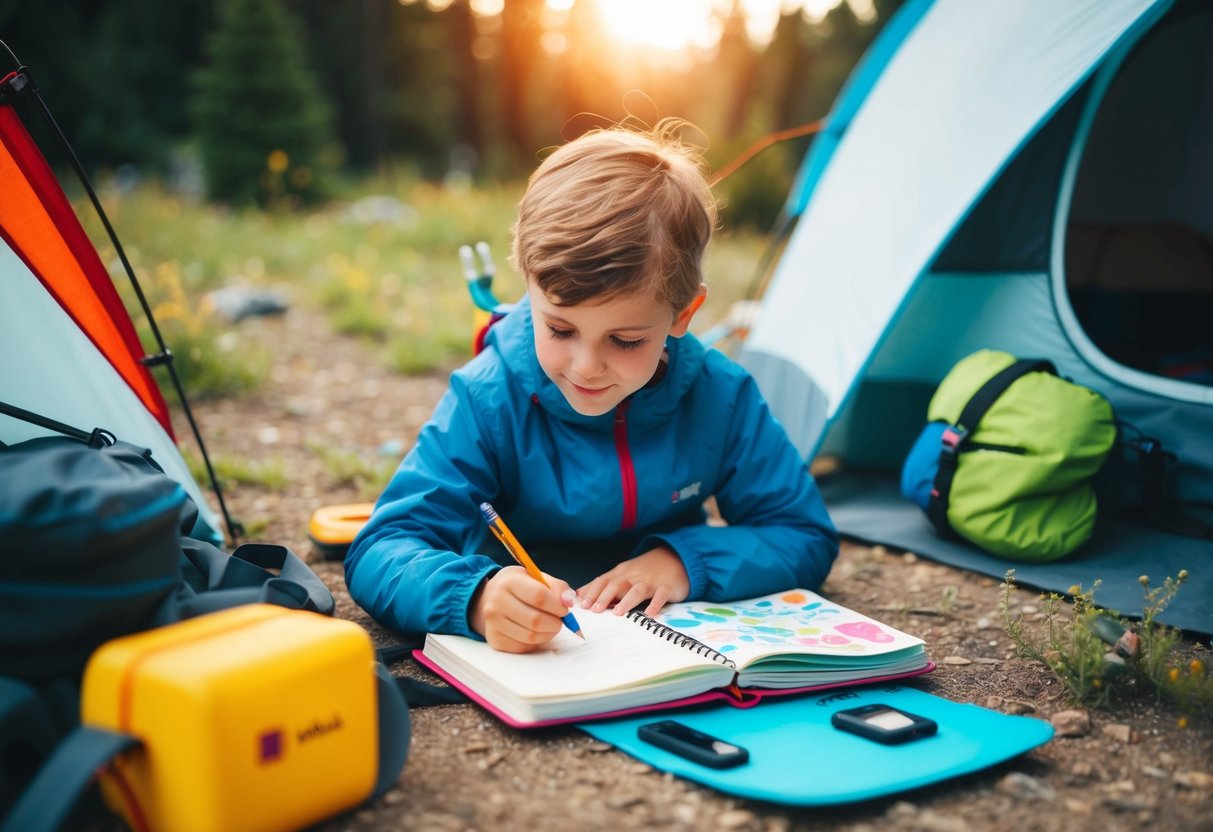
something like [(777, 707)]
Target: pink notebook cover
[(749, 697)]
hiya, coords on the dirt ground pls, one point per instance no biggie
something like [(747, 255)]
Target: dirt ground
[(1133, 767)]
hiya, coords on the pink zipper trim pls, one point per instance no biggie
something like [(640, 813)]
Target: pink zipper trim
[(627, 472)]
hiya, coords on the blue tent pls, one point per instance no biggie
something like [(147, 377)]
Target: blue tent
[(1023, 175)]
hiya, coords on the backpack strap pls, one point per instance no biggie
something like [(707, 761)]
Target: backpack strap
[(61, 781), (99, 438), (956, 436), (416, 693)]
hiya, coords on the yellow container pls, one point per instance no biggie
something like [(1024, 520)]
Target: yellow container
[(252, 718)]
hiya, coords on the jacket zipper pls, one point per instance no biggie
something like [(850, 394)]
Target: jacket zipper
[(627, 472)]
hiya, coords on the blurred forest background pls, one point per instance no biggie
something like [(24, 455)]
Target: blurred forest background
[(338, 154), (328, 159), (270, 100)]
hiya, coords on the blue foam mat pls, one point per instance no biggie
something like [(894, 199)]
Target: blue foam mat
[(798, 758)]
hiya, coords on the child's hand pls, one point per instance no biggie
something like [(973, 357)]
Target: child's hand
[(658, 574), (517, 614)]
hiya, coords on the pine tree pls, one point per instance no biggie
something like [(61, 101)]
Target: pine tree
[(262, 124)]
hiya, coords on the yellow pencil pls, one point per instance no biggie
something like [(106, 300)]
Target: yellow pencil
[(502, 532)]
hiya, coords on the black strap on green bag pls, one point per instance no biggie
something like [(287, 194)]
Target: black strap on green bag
[(957, 436)]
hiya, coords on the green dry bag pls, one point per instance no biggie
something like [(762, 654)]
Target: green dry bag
[(1017, 455)]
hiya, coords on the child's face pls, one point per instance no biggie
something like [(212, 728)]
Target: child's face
[(600, 353)]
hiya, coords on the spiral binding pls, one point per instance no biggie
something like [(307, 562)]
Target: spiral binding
[(678, 638)]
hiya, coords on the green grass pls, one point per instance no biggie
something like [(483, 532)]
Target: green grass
[(345, 468), (267, 474), (396, 283)]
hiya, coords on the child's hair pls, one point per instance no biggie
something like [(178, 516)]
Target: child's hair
[(613, 212)]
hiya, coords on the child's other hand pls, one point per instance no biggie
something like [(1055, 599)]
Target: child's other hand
[(516, 613), (658, 575)]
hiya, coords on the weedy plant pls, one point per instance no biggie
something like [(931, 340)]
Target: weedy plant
[(1098, 655), (345, 468), (267, 474)]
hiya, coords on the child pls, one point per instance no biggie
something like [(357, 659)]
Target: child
[(595, 428)]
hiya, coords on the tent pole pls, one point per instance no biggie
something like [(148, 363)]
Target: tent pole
[(165, 356)]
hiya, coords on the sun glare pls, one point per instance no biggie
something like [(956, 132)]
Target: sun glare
[(681, 25), (672, 25)]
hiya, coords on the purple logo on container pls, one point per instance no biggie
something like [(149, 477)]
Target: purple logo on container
[(270, 746)]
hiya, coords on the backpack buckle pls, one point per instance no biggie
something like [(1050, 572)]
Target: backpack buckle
[(952, 438)]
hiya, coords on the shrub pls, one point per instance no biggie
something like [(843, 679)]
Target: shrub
[(261, 123)]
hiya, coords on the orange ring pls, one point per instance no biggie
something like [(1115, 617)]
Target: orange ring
[(338, 524)]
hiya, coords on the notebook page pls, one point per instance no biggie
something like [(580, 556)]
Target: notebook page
[(617, 654), (791, 623)]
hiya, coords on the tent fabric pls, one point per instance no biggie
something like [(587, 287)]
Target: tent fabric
[(70, 350), (981, 174), (40, 226), (923, 146)]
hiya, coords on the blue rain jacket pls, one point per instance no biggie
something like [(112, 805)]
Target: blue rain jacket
[(583, 493)]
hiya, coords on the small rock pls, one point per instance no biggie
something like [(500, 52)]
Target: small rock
[(1013, 707), (1167, 759), (392, 448), (1128, 645), (1129, 803), (983, 623), (735, 819), (902, 809), (1113, 664), (1077, 807), (235, 303), (624, 801), (986, 660), (491, 760), (994, 703), (930, 821), (1082, 769), (599, 747), (684, 814), (910, 557), (1194, 780), (1154, 771), (1074, 723), (956, 660), (1021, 786), (1120, 733)]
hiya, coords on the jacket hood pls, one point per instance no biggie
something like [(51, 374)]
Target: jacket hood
[(513, 338)]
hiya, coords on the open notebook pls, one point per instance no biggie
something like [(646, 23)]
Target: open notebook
[(691, 653)]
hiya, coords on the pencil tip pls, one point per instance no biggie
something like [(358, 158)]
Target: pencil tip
[(581, 635)]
